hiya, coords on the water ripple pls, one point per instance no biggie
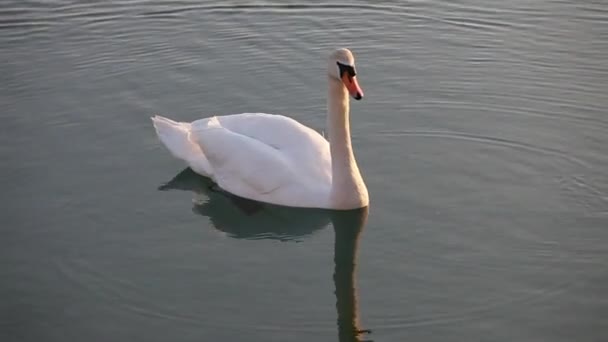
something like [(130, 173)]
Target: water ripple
[(473, 313), (278, 8), (487, 140), (116, 292)]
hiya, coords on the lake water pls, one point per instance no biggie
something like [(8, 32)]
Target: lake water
[(483, 139)]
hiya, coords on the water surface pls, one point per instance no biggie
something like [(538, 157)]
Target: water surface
[(482, 138)]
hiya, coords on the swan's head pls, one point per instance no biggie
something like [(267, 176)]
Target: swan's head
[(342, 67)]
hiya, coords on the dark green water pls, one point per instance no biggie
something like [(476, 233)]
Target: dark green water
[(483, 139)]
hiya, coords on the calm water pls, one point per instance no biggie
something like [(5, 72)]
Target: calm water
[(483, 139)]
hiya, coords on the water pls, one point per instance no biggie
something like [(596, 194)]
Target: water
[(482, 138)]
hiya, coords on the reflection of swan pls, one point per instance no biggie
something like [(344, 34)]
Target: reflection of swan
[(273, 158), (347, 227), (247, 219)]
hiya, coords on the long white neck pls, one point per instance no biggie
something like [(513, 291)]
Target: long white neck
[(348, 191)]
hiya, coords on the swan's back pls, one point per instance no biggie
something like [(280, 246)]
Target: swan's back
[(303, 146)]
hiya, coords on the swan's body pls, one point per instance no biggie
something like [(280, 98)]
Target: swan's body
[(273, 158)]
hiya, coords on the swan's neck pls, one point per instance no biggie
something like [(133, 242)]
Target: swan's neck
[(348, 190)]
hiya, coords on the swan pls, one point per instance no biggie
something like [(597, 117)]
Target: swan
[(275, 159)]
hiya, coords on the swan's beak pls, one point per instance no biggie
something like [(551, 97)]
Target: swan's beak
[(353, 86)]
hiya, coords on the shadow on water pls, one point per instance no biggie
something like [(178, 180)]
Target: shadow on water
[(246, 219)]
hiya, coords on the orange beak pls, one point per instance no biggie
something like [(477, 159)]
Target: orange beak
[(353, 86)]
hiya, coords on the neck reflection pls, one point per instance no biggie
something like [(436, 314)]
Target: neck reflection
[(348, 226)]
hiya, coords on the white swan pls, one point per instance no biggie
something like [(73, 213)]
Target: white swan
[(275, 159)]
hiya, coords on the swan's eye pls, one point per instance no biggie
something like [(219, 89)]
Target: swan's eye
[(344, 68)]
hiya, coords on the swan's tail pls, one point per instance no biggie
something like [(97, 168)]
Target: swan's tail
[(176, 137)]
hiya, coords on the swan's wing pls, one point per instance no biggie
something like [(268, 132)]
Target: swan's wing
[(299, 144), (242, 165)]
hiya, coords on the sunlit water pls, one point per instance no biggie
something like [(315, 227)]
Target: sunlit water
[(483, 139)]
